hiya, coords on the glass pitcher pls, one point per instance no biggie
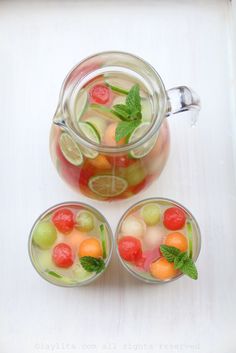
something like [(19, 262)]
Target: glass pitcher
[(113, 171)]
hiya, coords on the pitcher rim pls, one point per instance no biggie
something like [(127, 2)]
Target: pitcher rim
[(155, 124)]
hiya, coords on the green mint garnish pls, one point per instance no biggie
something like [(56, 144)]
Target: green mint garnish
[(122, 111), (91, 264), (133, 100), (169, 252), (189, 269), (130, 113), (181, 260), (103, 240), (125, 128)]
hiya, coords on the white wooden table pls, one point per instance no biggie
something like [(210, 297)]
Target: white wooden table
[(189, 43)]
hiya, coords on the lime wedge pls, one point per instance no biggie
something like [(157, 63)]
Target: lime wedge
[(103, 240), (92, 134), (190, 239), (145, 148), (70, 149), (107, 185), (81, 104)]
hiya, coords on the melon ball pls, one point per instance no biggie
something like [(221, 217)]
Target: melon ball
[(133, 226), (44, 235), (151, 214), (153, 237)]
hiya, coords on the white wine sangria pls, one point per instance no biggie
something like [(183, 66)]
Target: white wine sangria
[(70, 244), (110, 138), (158, 240)]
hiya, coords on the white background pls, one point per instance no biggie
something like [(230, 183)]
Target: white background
[(188, 42)]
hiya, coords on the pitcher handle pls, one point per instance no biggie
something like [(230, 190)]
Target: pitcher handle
[(182, 99)]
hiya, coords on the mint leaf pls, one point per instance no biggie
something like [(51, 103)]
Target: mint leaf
[(133, 99), (91, 264), (169, 252), (122, 111), (189, 269), (125, 128), (180, 260)]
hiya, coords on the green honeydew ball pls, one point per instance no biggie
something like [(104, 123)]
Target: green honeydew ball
[(151, 214), (84, 221), (44, 235)]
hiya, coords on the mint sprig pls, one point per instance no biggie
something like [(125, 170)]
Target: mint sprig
[(125, 128), (181, 260), (133, 100), (92, 264), (130, 113)]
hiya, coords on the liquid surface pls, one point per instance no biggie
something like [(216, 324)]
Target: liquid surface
[(95, 104), (63, 237), (148, 226), (109, 176)]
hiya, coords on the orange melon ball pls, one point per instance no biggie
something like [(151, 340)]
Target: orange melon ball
[(162, 269), (90, 247), (109, 136), (75, 238), (178, 240), (100, 162)]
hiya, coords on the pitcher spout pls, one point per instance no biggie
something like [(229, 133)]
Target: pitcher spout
[(59, 119)]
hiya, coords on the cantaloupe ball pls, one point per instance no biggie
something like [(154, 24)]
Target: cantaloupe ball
[(162, 269), (133, 226), (75, 238), (153, 237), (109, 136), (90, 247), (178, 240)]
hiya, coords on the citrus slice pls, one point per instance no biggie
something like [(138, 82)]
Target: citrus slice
[(146, 110), (98, 123), (116, 85), (70, 149), (145, 148), (104, 111), (81, 104), (107, 185), (92, 134)]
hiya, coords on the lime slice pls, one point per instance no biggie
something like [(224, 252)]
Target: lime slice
[(98, 123), (145, 148), (190, 239), (115, 85), (103, 240), (104, 111), (107, 185), (70, 149), (81, 104), (92, 134), (146, 110)]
